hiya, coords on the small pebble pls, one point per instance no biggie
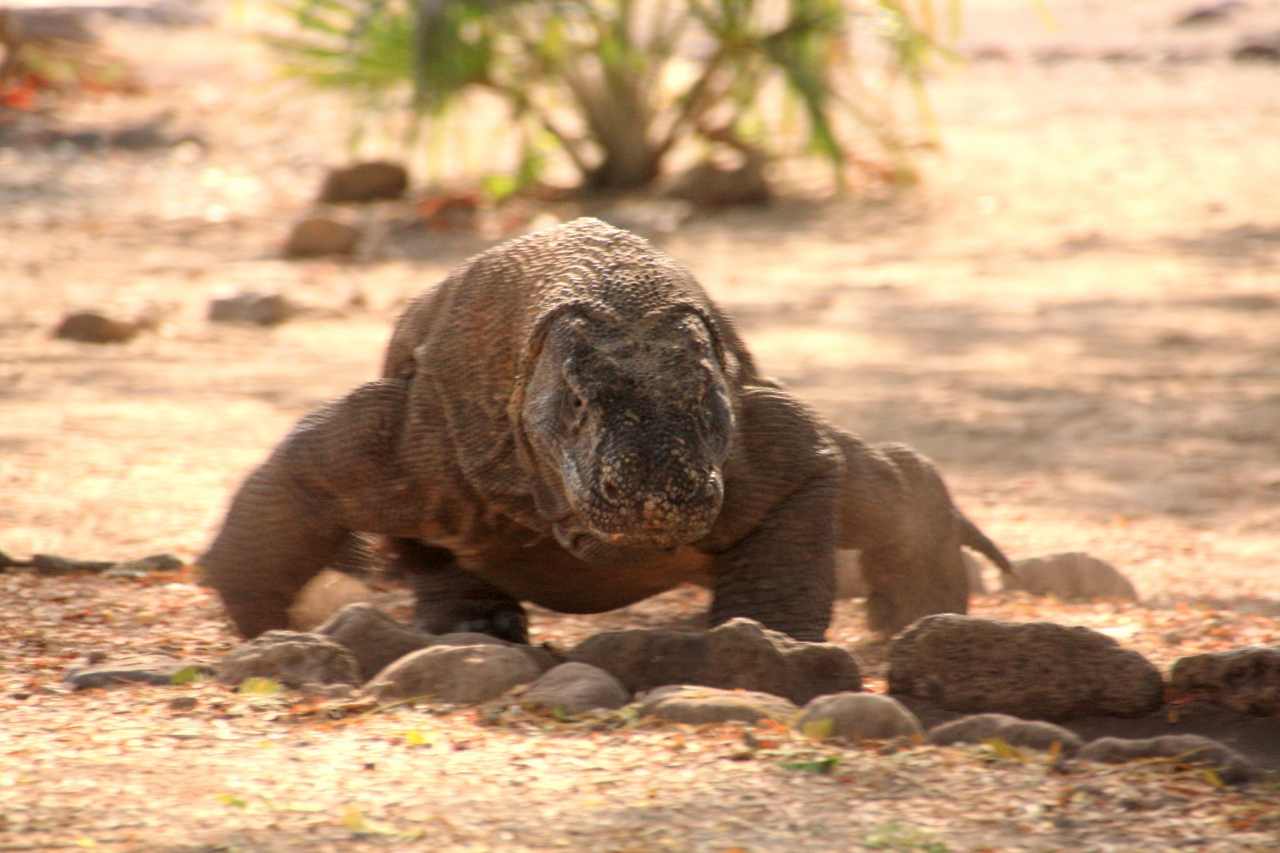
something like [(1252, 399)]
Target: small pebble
[(183, 703)]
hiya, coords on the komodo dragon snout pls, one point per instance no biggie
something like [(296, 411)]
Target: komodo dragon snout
[(628, 423)]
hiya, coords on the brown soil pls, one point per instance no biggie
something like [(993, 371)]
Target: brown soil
[(1077, 316)]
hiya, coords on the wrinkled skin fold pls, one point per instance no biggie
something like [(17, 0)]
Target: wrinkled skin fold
[(567, 419)]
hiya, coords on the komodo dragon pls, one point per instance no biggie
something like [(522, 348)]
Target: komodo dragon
[(567, 419)]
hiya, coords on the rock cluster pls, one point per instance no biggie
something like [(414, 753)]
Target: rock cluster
[(739, 654), (1026, 685)]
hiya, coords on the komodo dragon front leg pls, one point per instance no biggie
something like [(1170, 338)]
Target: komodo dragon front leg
[(783, 498), (337, 472)]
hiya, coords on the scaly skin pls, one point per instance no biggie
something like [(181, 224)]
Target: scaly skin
[(567, 419)]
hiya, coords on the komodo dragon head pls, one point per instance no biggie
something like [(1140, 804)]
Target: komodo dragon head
[(628, 420)]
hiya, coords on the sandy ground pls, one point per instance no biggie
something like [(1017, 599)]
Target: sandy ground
[(1077, 316)]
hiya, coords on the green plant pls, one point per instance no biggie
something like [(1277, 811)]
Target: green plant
[(616, 85)]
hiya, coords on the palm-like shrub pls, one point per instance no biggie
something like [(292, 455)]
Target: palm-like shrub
[(617, 84)]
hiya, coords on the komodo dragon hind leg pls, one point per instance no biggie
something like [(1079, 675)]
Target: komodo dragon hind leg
[(897, 510), (452, 600)]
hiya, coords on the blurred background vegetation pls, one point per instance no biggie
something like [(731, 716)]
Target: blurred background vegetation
[(616, 90)]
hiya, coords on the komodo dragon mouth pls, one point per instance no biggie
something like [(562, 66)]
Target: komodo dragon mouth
[(629, 423)]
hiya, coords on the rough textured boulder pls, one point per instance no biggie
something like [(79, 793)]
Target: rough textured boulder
[(695, 705), (321, 234), (1034, 670), (1247, 680), (1034, 734), (1231, 766), (263, 309), (374, 638), (737, 654), (324, 596), (575, 688), (459, 674), (857, 716), (132, 670), (1071, 577), (92, 327), (364, 182), (292, 659)]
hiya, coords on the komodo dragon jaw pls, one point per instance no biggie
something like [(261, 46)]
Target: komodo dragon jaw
[(630, 420)]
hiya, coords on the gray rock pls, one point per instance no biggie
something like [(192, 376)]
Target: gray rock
[(52, 565), (145, 566), (1258, 49), (1034, 670), (1247, 680), (738, 654), (263, 309), (1071, 577), (1231, 766), (575, 688), (321, 234), (292, 659), (542, 656), (1034, 734), (364, 182), (373, 638), (459, 674), (696, 705), (857, 716), (132, 670), (92, 327)]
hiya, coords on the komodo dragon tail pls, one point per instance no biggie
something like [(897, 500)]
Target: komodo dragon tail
[(972, 537)]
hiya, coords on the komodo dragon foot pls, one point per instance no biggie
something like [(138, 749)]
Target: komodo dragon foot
[(451, 600)]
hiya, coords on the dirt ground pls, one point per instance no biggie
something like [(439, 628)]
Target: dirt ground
[(1077, 315)]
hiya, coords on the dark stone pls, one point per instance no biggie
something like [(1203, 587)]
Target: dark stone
[(49, 564), (710, 184), (1071, 577), (459, 674), (1035, 670), (145, 566), (92, 327), (1264, 49), (291, 659), (696, 705), (1231, 766), (1210, 13), (1034, 734), (738, 654), (321, 235), (364, 182), (1246, 680), (131, 670), (575, 688), (264, 309)]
